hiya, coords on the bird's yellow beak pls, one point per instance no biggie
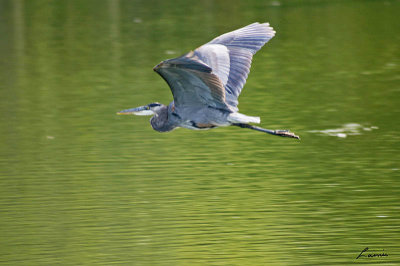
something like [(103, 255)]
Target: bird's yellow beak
[(142, 110)]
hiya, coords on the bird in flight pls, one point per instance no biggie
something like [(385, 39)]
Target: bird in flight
[(207, 82)]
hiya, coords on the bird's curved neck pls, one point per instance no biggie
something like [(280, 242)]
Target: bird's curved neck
[(162, 121)]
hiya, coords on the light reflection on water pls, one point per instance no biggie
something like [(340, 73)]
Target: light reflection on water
[(80, 185), (349, 129)]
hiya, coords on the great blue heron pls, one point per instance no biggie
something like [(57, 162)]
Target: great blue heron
[(206, 84)]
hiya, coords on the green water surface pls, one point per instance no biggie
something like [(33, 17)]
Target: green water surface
[(80, 185)]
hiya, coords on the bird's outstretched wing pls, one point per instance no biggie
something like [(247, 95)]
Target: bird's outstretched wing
[(230, 55), (192, 82)]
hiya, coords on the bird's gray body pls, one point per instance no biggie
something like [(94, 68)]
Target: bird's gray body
[(169, 117), (207, 82)]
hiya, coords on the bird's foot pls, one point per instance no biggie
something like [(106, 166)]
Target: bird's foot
[(285, 133)]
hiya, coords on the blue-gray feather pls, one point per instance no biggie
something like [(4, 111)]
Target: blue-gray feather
[(192, 83), (215, 73), (241, 44)]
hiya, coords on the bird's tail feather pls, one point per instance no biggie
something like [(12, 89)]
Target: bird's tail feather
[(241, 118)]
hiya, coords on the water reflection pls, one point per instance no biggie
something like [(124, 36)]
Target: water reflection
[(349, 129)]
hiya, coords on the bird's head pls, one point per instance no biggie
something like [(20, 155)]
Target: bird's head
[(149, 109)]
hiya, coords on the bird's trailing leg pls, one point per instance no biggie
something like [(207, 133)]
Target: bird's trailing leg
[(281, 133)]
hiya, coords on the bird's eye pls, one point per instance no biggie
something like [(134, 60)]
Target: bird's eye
[(154, 105)]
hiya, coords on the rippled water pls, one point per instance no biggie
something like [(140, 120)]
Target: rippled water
[(349, 129), (81, 186)]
